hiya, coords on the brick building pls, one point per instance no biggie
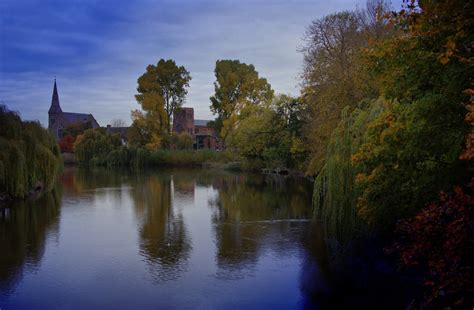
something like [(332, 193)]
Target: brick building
[(204, 136)]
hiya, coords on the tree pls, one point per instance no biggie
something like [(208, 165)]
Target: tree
[(415, 145), (118, 122), (438, 240), (335, 74), (29, 156), (163, 87), (291, 112), (66, 144), (237, 84), (146, 130), (76, 129), (183, 141), (94, 146), (69, 135)]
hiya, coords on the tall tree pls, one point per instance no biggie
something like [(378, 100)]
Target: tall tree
[(334, 74), (237, 84), (163, 87)]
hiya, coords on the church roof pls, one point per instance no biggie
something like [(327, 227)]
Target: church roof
[(55, 108), (78, 117)]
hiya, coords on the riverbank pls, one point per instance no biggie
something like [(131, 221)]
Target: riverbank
[(35, 192), (221, 160)]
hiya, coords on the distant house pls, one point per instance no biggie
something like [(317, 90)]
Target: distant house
[(204, 137), (58, 120)]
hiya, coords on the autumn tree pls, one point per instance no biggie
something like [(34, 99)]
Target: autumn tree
[(438, 240), (334, 74), (66, 144), (260, 136), (161, 90), (237, 85), (146, 130), (269, 133), (69, 135), (415, 145), (94, 145)]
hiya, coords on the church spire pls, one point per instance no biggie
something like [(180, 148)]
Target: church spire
[(55, 108)]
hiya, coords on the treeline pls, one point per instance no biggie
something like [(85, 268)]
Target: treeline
[(30, 159), (401, 137), (390, 113)]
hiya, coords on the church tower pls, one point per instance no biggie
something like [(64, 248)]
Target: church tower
[(55, 110)]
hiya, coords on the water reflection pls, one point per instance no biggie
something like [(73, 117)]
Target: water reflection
[(252, 211), (198, 233), (24, 229), (163, 238)]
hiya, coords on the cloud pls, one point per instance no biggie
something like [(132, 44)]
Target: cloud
[(98, 49)]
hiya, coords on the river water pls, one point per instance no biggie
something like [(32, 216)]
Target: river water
[(166, 239)]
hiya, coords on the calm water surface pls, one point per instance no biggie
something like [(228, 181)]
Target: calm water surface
[(164, 239)]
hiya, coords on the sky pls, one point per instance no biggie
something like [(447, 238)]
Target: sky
[(97, 49)]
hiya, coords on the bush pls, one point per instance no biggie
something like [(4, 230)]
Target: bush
[(66, 144), (93, 147), (438, 240), (184, 141)]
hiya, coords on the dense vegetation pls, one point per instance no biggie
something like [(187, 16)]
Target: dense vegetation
[(29, 156), (69, 136), (412, 148), (97, 148), (439, 241), (387, 158)]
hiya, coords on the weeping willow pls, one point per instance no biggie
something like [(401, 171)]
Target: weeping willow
[(335, 194), (29, 156)]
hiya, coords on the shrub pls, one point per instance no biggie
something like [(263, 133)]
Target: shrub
[(438, 240), (184, 141), (66, 144)]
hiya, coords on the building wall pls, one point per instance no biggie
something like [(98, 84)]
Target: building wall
[(203, 136), (203, 130), (183, 121), (56, 124)]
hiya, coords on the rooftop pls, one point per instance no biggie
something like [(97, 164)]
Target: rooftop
[(201, 122)]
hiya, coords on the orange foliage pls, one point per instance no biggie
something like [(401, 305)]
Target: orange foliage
[(438, 241), (66, 144)]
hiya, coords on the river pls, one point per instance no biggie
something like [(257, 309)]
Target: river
[(185, 238)]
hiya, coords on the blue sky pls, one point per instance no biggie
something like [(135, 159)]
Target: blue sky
[(98, 49)]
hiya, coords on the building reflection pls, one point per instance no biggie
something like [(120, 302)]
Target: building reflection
[(24, 228)]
